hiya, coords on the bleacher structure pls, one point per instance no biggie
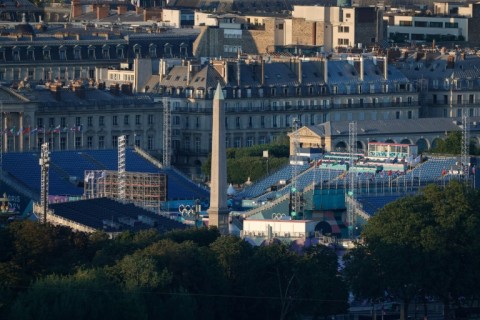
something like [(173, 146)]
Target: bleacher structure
[(108, 215), (67, 170), (147, 190), (377, 180)]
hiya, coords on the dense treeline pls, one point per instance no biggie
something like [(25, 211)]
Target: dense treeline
[(420, 248), (49, 272)]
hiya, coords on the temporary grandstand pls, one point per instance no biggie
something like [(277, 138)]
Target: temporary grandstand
[(21, 172), (108, 215), (329, 183)]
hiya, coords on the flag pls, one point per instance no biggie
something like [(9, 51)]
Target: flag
[(19, 131), (26, 130), (65, 129), (12, 131), (34, 131), (41, 130), (57, 129)]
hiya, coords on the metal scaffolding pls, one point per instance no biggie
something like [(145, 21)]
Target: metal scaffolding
[(167, 133), (146, 190), (121, 167), (352, 150)]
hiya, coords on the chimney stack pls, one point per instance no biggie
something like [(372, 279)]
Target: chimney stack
[(239, 78), (262, 79), (361, 67), (385, 67), (325, 70)]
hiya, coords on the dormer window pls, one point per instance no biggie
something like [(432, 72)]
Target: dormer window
[(167, 49), (152, 50), (16, 53), (30, 53), (183, 49), (137, 51), (91, 52), (63, 53), (120, 52), (2, 53), (106, 52), (77, 53), (46, 53)]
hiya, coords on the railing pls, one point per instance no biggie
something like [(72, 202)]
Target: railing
[(266, 206)]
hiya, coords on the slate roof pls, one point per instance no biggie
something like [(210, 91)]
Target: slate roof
[(395, 126)]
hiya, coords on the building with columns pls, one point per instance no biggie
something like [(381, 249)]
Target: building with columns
[(78, 117)]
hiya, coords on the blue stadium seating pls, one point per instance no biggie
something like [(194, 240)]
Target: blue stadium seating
[(93, 212), (24, 168)]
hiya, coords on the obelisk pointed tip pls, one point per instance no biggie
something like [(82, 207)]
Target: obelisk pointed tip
[(218, 92)]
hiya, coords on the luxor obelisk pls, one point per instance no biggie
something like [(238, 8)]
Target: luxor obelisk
[(218, 211)]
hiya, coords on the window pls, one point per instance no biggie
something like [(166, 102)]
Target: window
[(150, 143), (63, 143), (101, 142), (137, 119), (91, 52), (343, 42), (344, 29), (262, 121), (106, 52), (409, 114), (348, 15), (405, 23), (397, 114), (78, 142), (114, 141), (436, 24), (249, 141), (197, 144), (126, 119), (250, 122), (237, 122), (16, 54), (451, 24), (63, 122), (40, 122), (238, 142), (150, 119), (197, 122), (152, 50), (90, 142), (422, 24), (89, 121), (115, 120), (187, 122), (101, 121), (63, 53), (51, 122), (77, 53)]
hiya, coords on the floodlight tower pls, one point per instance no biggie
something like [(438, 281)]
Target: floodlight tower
[(295, 195), (122, 183), (167, 133), (465, 147), (44, 163), (352, 150)]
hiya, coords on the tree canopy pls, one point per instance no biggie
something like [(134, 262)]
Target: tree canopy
[(49, 272), (420, 246)]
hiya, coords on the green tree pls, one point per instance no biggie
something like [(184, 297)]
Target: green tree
[(86, 295), (421, 245), (452, 144)]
